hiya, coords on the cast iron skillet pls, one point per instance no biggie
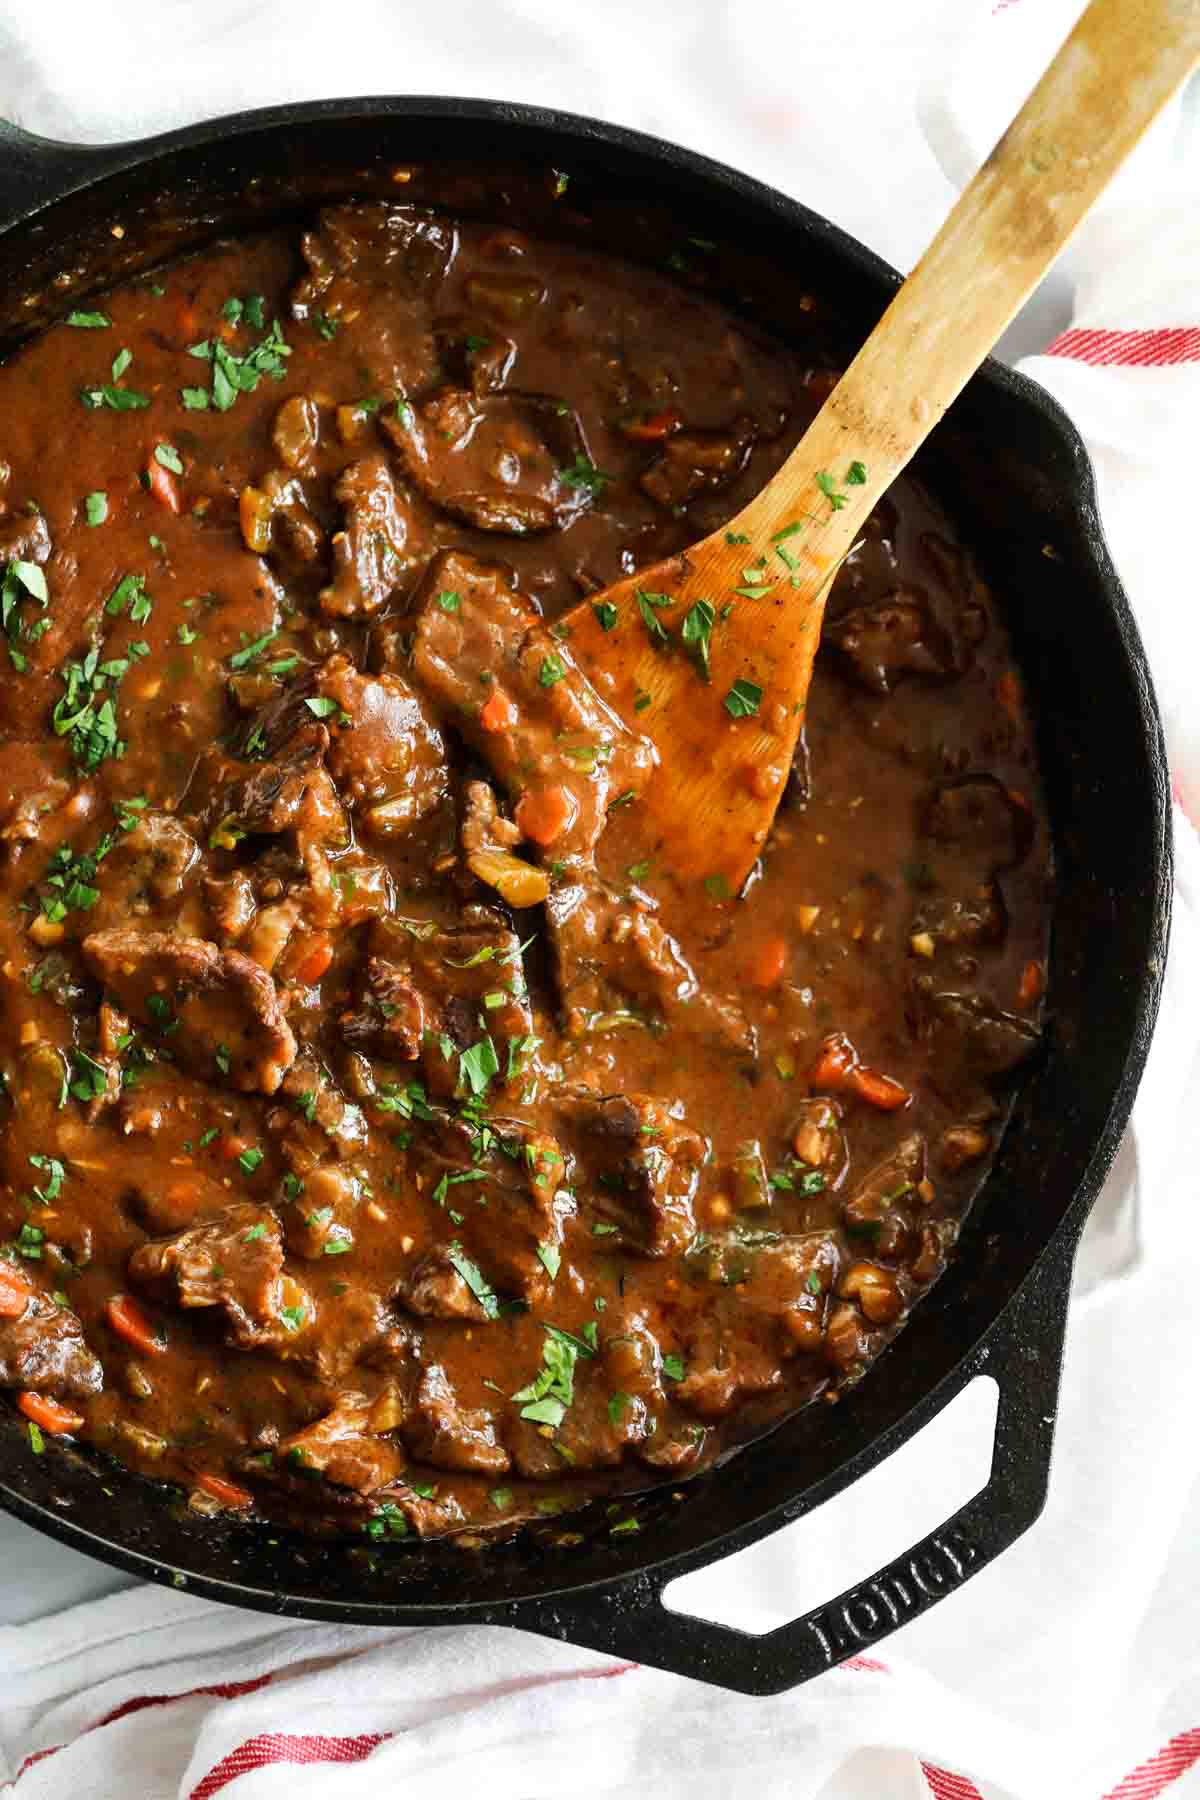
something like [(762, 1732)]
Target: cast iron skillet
[(1012, 465)]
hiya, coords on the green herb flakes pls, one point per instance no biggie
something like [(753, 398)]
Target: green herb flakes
[(742, 700)]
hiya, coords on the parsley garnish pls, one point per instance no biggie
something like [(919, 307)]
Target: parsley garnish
[(607, 614), (829, 488), (583, 473), (232, 374), (478, 1064), (169, 458), (553, 670), (856, 474), (646, 606), (550, 1258), (474, 1279), (119, 399), (696, 632), (448, 600), (546, 1398), (95, 508), (673, 1367), (86, 712), (241, 659), (88, 321), (741, 702)]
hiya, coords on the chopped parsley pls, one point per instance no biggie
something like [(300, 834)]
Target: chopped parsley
[(829, 488), (583, 473), (85, 712), (232, 375), (696, 632), (169, 458), (20, 579), (553, 670), (647, 603), (742, 700), (607, 614), (673, 1367), (448, 600), (118, 399), (474, 1278), (89, 321), (130, 592), (855, 475), (95, 507), (546, 1398), (55, 1174), (241, 659), (550, 1258), (478, 1064), (617, 1406), (324, 326)]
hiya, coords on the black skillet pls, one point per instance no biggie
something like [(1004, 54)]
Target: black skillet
[(1015, 471)]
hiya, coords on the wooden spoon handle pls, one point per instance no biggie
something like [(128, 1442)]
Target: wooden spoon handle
[(1112, 76)]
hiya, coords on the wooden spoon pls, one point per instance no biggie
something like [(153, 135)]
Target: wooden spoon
[(749, 599)]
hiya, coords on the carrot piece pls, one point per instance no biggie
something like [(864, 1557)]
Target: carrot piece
[(48, 1413), (838, 1067), (880, 1090), (314, 962), (227, 1492), (658, 425), (14, 1292), (1032, 984), (543, 814), (769, 962), (162, 485), (127, 1319), (1008, 693), (498, 712), (232, 1147)]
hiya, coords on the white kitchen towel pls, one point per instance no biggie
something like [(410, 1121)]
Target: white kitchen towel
[(1070, 1669)]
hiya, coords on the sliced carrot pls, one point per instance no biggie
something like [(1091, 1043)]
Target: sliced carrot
[(162, 485), (498, 712), (127, 1319), (49, 1414), (658, 425), (543, 814), (769, 962), (838, 1067), (14, 1292), (880, 1090), (232, 1147), (315, 961), (227, 1492), (1032, 984)]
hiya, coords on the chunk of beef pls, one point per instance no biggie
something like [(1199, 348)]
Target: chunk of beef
[(379, 543), (399, 1509), (611, 957), (291, 791), (276, 520), (471, 983), (639, 1166), (503, 1188), (232, 1260), (977, 815), (491, 646), (483, 827), (775, 1305), (343, 1446), (231, 904), (899, 635), (146, 867), (25, 537), (698, 462), (966, 1036), (514, 463), (474, 355), (878, 1210), (44, 1350), (226, 1020), (28, 793), (314, 1119), (112, 1035), (373, 244), (434, 1289), (360, 1331), (596, 1432), (977, 917), (296, 433), (440, 1431), (388, 1015), (324, 1211), (389, 758)]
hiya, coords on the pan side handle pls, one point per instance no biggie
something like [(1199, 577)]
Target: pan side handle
[(36, 170), (1024, 1356)]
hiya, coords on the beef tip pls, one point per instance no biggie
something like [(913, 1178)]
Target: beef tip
[(878, 1210), (475, 356), (25, 537), (966, 1036), (399, 1509), (314, 1119), (616, 964), (323, 1213), (44, 1350), (28, 792), (486, 843), (698, 462), (296, 432), (373, 244), (275, 518), (978, 917), (504, 1191), (388, 1017), (292, 791), (483, 827), (470, 982), (448, 1435), (147, 866), (358, 1332), (977, 815), (515, 463), (639, 1163), (775, 1305), (223, 1010), (232, 1260), (434, 1289), (890, 638), (231, 904), (378, 546), (389, 758), (492, 647), (343, 1446)]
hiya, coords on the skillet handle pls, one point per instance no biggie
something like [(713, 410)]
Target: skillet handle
[(1024, 1356), (35, 170)]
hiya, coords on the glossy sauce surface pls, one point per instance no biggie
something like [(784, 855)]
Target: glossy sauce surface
[(388, 1145)]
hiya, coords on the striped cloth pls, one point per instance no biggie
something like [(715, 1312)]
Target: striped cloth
[(1068, 1670)]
